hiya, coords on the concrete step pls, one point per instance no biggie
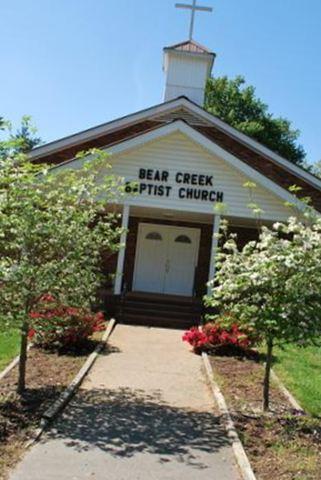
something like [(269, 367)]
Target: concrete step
[(149, 310), (166, 322)]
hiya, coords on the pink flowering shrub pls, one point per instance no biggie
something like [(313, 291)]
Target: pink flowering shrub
[(58, 326), (218, 335), (197, 338)]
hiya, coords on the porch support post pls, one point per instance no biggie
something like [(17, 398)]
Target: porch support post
[(216, 228), (121, 252)]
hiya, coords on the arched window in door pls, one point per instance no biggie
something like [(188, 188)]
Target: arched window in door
[(183, 239), (154, 236)]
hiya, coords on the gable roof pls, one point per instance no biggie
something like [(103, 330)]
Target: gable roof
[(189, 46), (203, 141), (259, 157)]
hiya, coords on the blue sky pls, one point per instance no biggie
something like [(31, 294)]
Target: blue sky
[(72, 64)]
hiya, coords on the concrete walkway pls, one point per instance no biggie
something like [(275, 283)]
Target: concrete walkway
[(144, 412)]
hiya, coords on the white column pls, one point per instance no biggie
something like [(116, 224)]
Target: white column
[(121, 252), (216, 228)]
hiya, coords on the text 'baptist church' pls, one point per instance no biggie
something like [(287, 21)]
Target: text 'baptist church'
[(189, 185)]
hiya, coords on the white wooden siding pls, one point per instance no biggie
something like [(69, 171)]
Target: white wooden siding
[(186, 75), (178, 153)]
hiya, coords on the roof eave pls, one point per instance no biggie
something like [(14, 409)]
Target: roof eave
[(151, 113)]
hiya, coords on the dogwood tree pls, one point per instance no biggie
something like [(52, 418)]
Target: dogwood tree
[(274, 285), (54, 225)]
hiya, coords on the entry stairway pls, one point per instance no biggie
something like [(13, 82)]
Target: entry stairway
[(171, 311)]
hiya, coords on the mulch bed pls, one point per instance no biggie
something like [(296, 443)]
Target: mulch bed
[(282, 444), (48, 374)]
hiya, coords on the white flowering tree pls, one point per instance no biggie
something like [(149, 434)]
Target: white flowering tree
[(53, 228), (274, 285)]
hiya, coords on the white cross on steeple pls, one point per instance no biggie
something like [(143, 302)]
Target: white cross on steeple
[(194, 8)]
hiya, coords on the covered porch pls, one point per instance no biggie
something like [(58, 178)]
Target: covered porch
[(164, 265)]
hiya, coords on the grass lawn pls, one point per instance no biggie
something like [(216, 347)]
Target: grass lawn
[(300, 370), (9, 347)]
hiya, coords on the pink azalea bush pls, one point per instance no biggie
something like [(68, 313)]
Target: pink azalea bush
[(58, 326), (219, 335)]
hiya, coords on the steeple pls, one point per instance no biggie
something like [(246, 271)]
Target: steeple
[(187, 67)]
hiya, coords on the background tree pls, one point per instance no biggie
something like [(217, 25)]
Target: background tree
[(20, 141), (53, 228), (26, 136), (274, 285), (236, 104), (316, 169)]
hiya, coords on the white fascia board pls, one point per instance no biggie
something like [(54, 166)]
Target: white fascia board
[(163, 108), (211, 147), (253, 144), (105, 128)]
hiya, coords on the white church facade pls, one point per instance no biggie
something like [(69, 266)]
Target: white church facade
[(189, 169)]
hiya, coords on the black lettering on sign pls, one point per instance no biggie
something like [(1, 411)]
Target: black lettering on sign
[(165, 176), (209, 180), (204, 195), (197, 194), (149, 174), (212, 196), (194, 179), (201, 180), (155, 175), (187, 177)]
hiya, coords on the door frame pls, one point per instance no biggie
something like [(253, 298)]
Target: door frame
[(141, 226)]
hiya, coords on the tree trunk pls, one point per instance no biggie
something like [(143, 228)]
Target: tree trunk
[(23, 358), (268, 365)]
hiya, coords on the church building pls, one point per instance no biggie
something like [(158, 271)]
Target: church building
[(189, 170)]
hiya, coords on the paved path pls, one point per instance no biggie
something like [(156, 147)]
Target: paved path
[(144, 412)]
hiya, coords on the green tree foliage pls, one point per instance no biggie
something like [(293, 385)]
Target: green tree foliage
[(20, 141), (274, 285), (316, 169), (54, 226), (236, 104), (26, 136)]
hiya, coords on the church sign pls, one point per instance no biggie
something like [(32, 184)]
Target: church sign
[(190, 186)]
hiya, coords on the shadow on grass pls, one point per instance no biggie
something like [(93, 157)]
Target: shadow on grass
[(125, 422)]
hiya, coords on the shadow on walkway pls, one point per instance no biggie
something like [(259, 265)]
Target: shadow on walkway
[(124, 422)]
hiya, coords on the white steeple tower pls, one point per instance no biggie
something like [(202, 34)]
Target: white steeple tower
[(188, 65)]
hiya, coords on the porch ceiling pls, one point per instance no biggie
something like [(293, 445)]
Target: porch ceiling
[(168, 214), (185, 216)]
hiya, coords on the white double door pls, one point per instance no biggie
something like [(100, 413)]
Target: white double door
[(166, 258)]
